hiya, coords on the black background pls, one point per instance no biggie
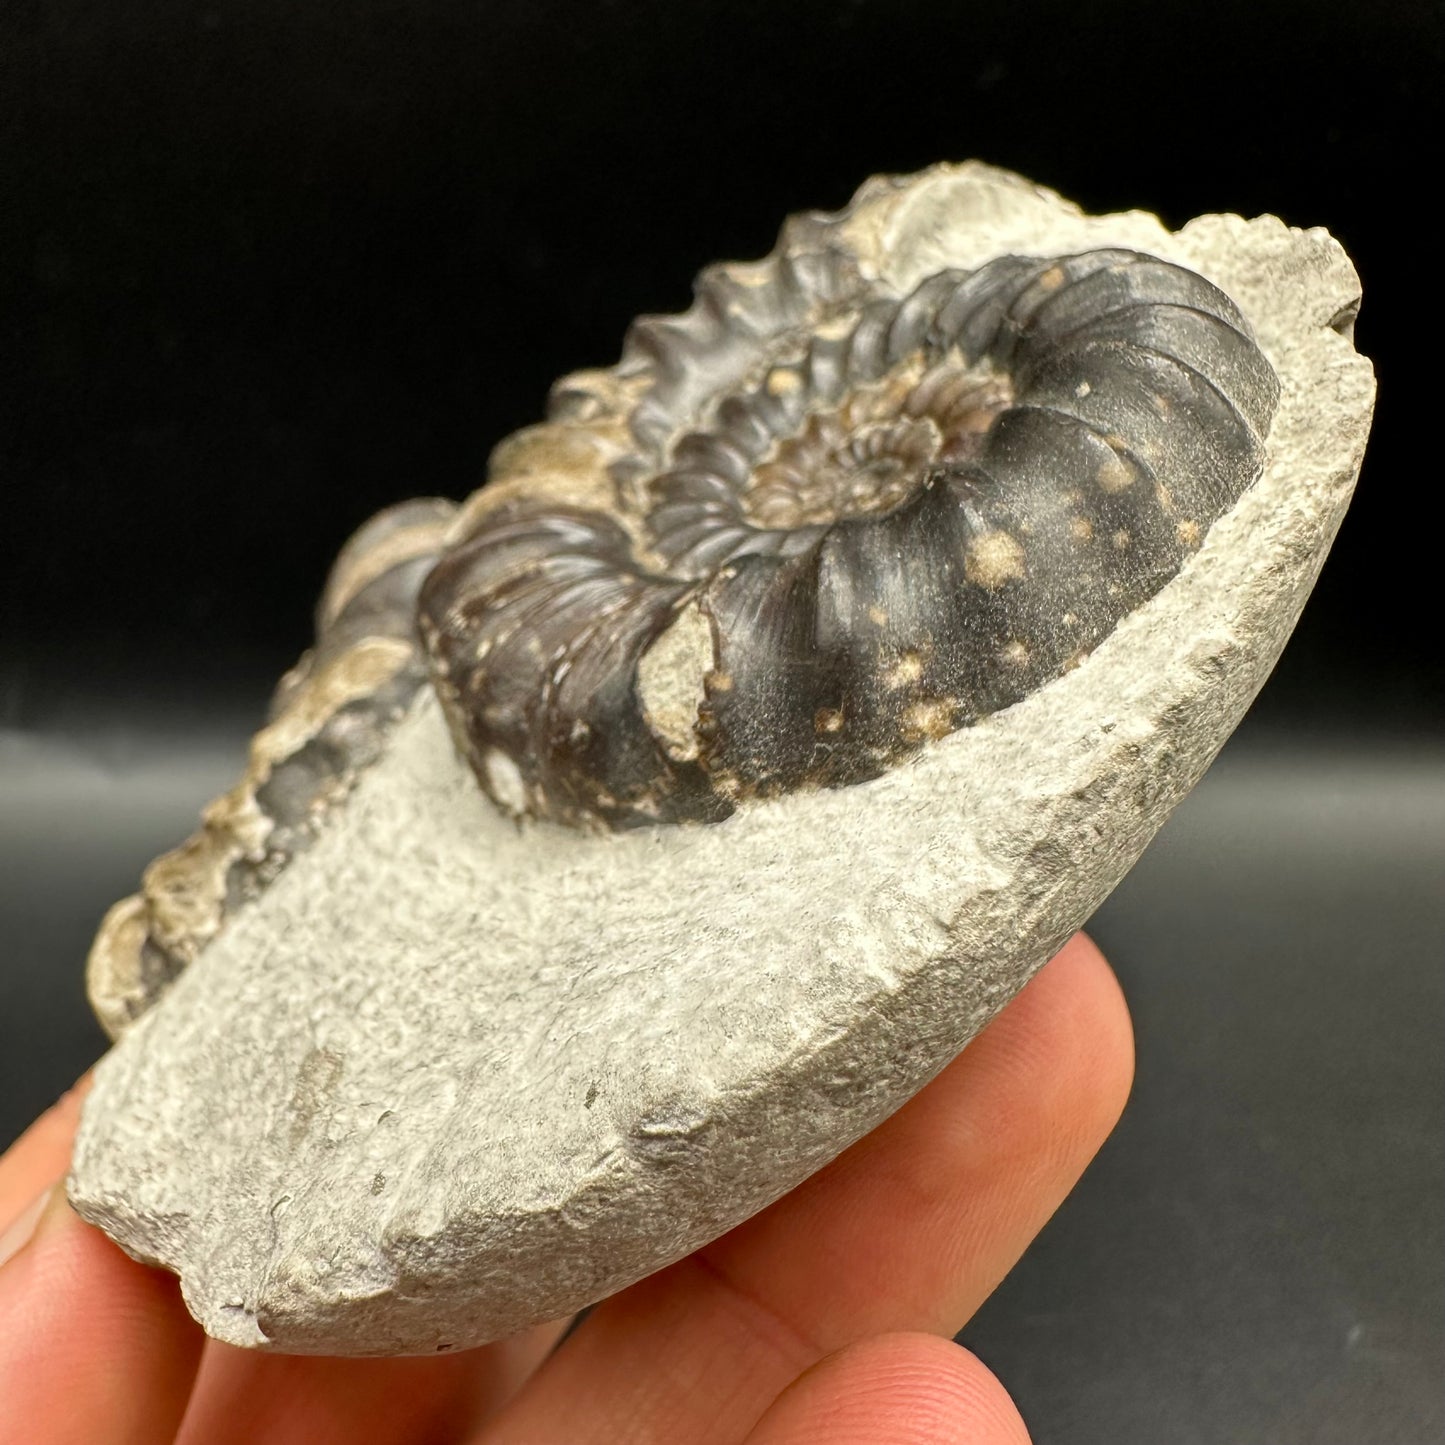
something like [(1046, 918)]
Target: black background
[(270, 266)]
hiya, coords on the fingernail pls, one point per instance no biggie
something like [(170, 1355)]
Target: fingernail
[(22, 1231)]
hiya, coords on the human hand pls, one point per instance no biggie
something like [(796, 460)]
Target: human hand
[(827, 1318)]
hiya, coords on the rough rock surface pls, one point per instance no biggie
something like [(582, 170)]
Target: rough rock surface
[(449, 1077)]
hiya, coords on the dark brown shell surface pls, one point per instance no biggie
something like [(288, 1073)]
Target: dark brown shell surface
[(845, 523)]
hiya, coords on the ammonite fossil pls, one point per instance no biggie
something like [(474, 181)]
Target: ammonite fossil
[(797, 533), (822, 521), (846, 522), (860, 627)]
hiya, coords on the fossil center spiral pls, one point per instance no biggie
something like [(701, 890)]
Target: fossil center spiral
[(872, 452)]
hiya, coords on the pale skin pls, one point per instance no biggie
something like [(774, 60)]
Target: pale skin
[(828, 1317)]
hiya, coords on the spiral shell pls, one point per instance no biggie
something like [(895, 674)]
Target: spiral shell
[(830, 524)]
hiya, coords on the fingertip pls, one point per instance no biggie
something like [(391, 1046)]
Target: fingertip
[(908, 1387), (1069, 1035), (1107, 1037), (41, 1154), (98, 1347)]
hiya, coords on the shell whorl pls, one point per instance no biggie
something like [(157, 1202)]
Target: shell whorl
[(860, 526)]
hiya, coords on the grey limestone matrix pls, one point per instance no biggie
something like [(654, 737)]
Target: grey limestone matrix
[(648, 827)]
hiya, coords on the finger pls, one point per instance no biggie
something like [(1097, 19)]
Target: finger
[(242, 1397), (98, 1350), (917, 1389), (914, 1227), (910, 1229), (40, 1155)]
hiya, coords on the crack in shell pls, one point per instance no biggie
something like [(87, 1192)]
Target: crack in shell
[(897, 514)]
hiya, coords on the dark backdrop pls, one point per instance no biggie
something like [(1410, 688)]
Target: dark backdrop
[(270, 266)]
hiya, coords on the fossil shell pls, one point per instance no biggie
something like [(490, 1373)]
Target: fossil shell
[(844, 521), (797, 533)]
